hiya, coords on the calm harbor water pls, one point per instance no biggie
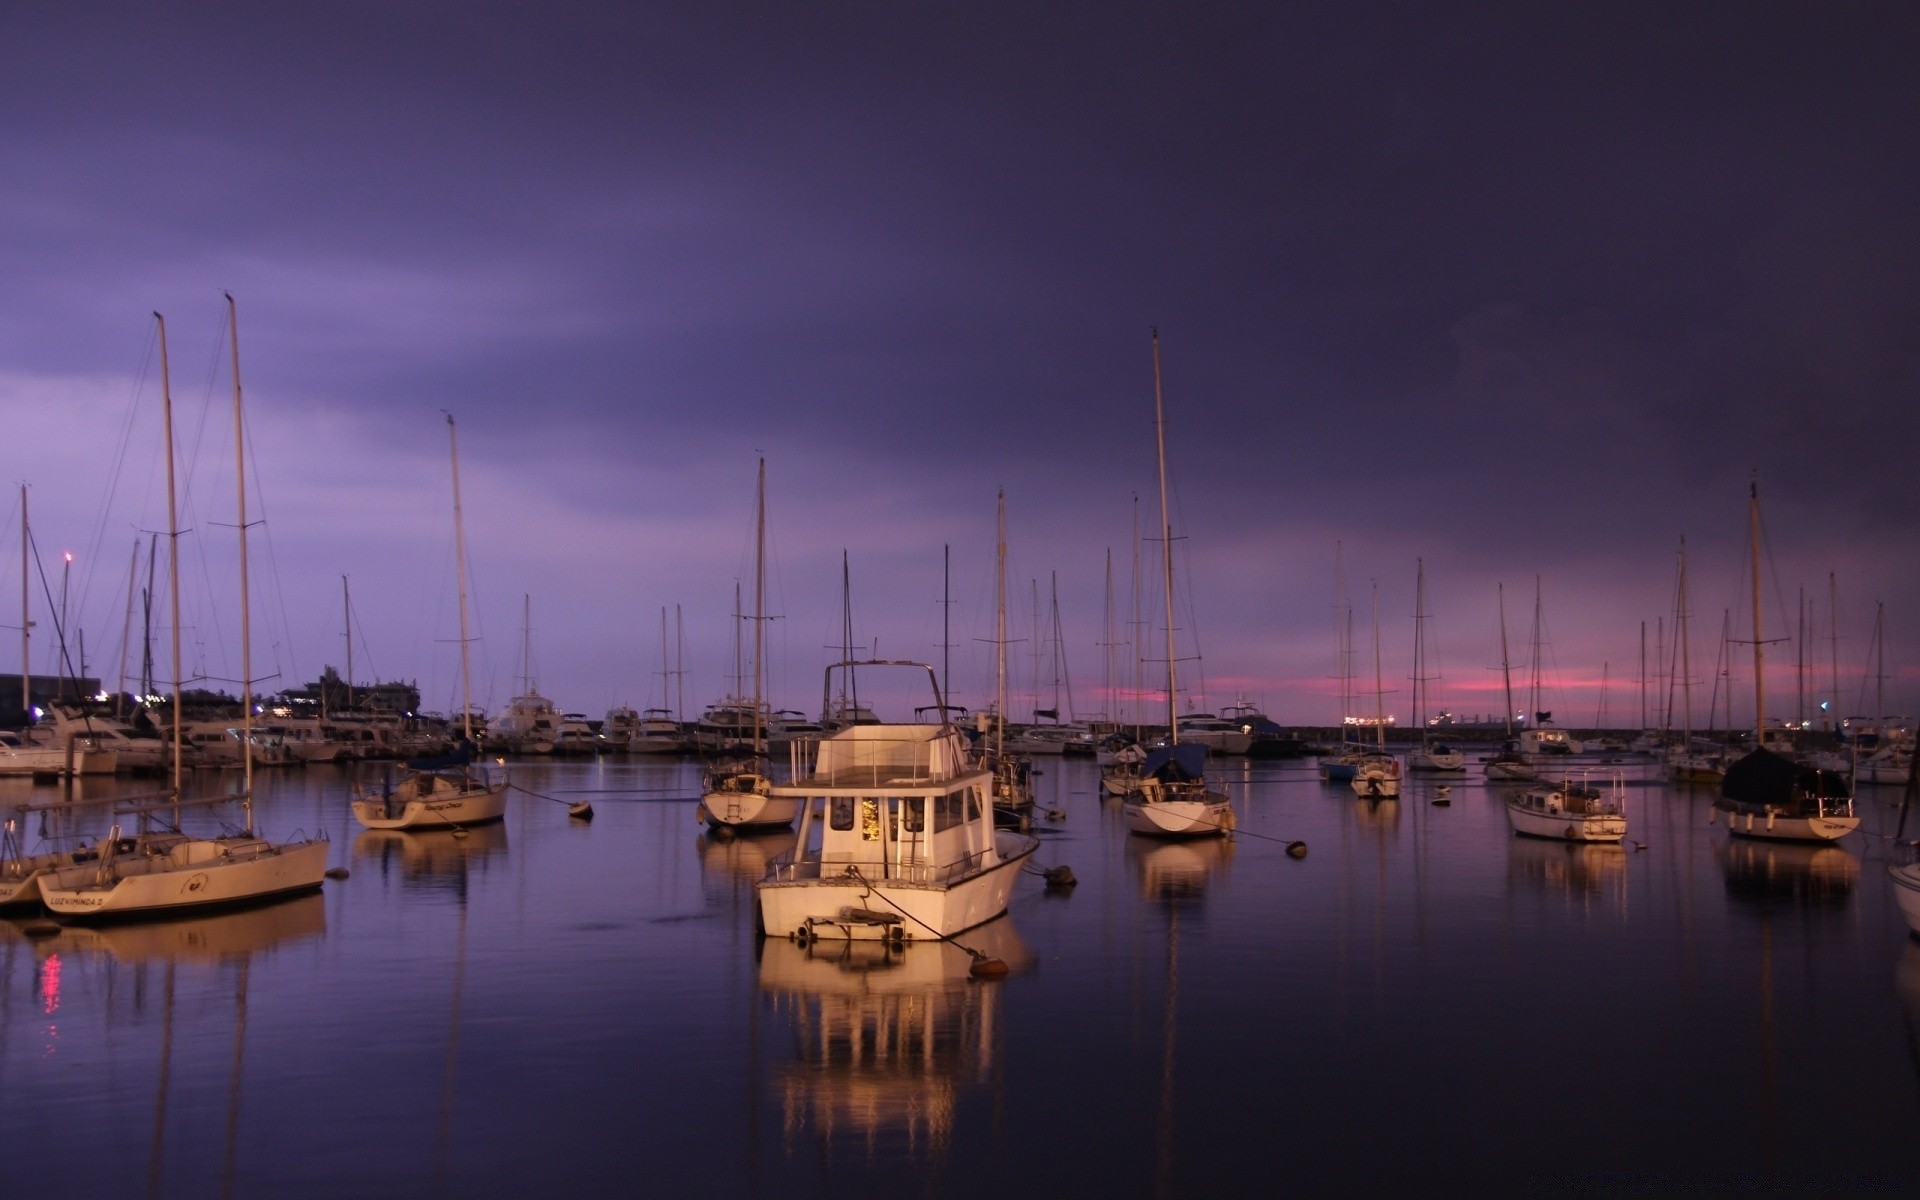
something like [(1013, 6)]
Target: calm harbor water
[(550, 1007)]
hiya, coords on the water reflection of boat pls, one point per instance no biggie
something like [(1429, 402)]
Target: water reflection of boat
[(1177, 871), (1380, 815), (237, 933), (1573, 868), (431, 855), (1808, 875), (743, 854), (886, 1034)]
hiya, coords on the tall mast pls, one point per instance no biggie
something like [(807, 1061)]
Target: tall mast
[(1533, 672), (173, 565), (1833, 646), (346, 615), (1112, 707), (1506, 670), (1166, 538), (246, 611), (26, 656), (1759, 642), (1880, 672), (1379, 683), (460, 569), (526, 642), (1686, 666), (1135, 582), (946, 621), (759, 596), (666, 663), (1419, 647), (126, 630), (1000, 626)]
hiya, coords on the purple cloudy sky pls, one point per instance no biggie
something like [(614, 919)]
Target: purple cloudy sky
[(1522, 290)]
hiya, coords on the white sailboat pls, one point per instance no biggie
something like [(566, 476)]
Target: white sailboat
[(897, 838), (1173, 799), (449, 791), (1430, 756), (1376, 776), (739, 794), (530, 723), (165, 873), (1767, 794), (1689, 763), (1541, 737), (1337, 764), (1509, 765)]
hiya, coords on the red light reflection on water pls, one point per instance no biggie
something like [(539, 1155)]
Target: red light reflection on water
[(50, 999)]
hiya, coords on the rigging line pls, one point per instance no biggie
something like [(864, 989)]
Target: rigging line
[(61, 655), (118, 461)]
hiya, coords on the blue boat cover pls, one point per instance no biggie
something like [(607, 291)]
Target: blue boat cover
[(1177, 763)]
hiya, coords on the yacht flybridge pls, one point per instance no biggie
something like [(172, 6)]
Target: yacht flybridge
[(897, 838)]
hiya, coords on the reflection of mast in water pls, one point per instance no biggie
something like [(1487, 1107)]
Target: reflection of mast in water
[(229, 938), (1784, 874), (885, 1034), (450, 1078), (1175, 876), (156, 1154), (1767, 877), (433, 858)]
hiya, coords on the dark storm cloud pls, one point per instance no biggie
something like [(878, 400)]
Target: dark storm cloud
[(1437, 274)]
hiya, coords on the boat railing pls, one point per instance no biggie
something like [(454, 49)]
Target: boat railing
[(869, 756), (1594, 790), (788, 868)]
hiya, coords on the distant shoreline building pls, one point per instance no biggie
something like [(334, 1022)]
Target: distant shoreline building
[(42, 689)]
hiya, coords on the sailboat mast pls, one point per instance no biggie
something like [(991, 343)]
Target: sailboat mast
[(1759, 643), (1419, 648), (1166, 538), (26, 655), (1506, 669), (346, 615), (1686, 665), (946, 623), (460, 569), (1833, 644), (1379, 683), (1000, 627), (246, 609), (173, 564), (126, 630), (759, 598)]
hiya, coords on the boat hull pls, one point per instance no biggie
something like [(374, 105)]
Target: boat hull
[(1777, 827), (1374, 780), (192, 874), (1212, 817), (841, 906), (1564, 826), (1906, 891), (726, 808), (446, 804), (1437, 761), (1337, 770)]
